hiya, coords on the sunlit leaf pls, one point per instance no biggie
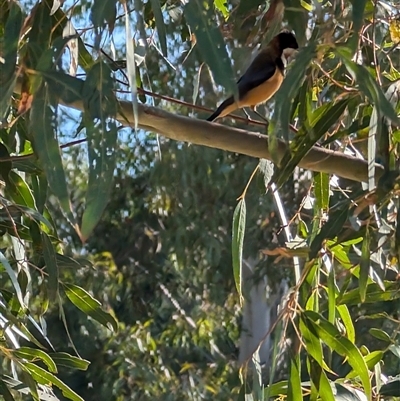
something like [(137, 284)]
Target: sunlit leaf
[(373, 294), (364, 265), (295, 392), (44, 377), (238, 231), (69, 361), (90, 306), (331, 336), (321, 190), (347, 321), (221, 6), (369, 87), (32, 354)]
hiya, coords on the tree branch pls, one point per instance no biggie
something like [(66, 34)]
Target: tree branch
[(219, 136), (213, 135)]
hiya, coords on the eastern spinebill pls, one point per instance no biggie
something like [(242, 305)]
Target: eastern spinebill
[(263, 77)]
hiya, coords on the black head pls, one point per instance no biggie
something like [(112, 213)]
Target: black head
[(287, 40)]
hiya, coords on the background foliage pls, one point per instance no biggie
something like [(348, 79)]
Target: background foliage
[(118, 268)]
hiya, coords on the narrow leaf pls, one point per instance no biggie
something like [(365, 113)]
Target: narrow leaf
[(102, 160), (364, 265), (10, 39), (295, 392), (162, 32), (288, 90), (69, 361), (90, 306), (211, 44), (238, 230), (32, 354), (373, 294), (46, 378), (331, 336), (14, 279), (50, 259), (321, 190), (347, 321), (369, 87), (42, 127)]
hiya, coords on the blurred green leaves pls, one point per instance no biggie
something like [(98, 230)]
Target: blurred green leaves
[(211, 44)]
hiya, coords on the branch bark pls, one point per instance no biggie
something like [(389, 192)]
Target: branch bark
[(213, 135), (252, 144)]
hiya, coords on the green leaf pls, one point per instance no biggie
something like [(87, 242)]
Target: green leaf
[(331, 295), (306, 139), (32, 354), (331, 336), (27, 378), (14, 279), (103, 11), (373, 294), (46, 378), (288, 90), (211, 44), (347, 321), (90, 306), (348, 393), (395, 349), (5, 392), (20, 191), (391, 388), (364, 265), (380, 334), (102, 142), (369, 87), (321, 190), (222, 7), (162, 33), (34, 215), (322, 120), (102, 160), (276, 389), (358, 7), (325, 388), (329, 230), (312, 342), (371, 360), (295, 392), (63, 86), (9, 49), (69, 361), (51, 267), (39, 189), (47, 148), (238, 230)]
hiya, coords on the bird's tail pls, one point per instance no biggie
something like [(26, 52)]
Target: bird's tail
[(223, 107)]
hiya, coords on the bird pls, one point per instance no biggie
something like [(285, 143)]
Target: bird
[(263, 77)]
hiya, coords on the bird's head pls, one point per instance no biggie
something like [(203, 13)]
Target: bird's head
[(286, 40)]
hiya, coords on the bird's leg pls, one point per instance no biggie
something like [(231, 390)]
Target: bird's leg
[(260, 115), (246, 113)]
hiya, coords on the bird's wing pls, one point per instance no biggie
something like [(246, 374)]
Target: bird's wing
[(260, 70)]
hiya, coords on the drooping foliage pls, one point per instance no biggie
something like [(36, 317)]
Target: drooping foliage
[(123, 252)]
